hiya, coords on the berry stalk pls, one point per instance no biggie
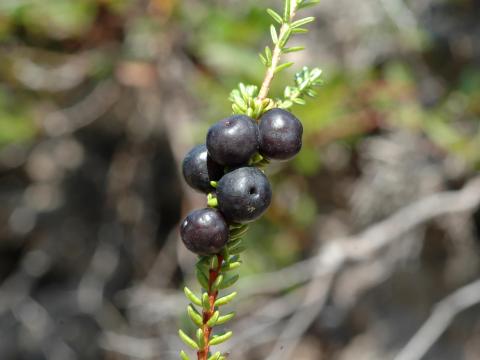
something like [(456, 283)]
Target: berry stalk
[(207, 314)]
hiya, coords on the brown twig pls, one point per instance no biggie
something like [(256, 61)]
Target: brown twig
[(202, 354)]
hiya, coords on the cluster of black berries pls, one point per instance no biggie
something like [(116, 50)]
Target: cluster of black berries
[(243, 192)]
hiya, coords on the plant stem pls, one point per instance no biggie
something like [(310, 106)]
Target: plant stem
[(202, 354), (277, 52)]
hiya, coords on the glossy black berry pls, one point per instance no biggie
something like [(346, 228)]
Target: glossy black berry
[(280, 134), (199, 169), (244, 194), (204, 231), (233, 141)]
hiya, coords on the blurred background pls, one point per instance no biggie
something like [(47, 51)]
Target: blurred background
[(371, 226)]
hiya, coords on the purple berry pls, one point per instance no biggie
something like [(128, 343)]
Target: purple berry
[(204, 231), (233, 140), (243, 194), (199, 169), (280, 134)]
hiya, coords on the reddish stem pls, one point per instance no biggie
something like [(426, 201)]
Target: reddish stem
[(202, 354)]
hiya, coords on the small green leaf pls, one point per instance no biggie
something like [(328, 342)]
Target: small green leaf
[(305, 4), (205, 301), (183, 355), (238, 249), (231, 266), (217, 282), (236, 233), (213, 319), (200, 338), (299, 31), (213, 184), (194, 316), (188, 340), (284, 38), (236, 109), (263, 59), (214, 262), (225, 299), (191, 296), (202, 279), (227, 282), (273, 33), (293, 49), (275, 16), (215, 356), (216, 340), (301, 22), (234, 243), (212, 202), (225, 252), (283, 66), (287, 10), (299, 101), (268, 54), (227, 317)]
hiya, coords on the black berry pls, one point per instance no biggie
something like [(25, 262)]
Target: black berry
[(280, 134), (199, 169), (204, 231), (243, 194), (233, 141)]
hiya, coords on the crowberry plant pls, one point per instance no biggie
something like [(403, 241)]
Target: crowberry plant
[(229, 169)]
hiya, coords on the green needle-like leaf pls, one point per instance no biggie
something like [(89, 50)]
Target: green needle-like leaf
[(234, 243), (202, 279), (183, 355), (268, 54), (205, 301), (293, 49), (215, 356), (284, 38), (263, 59), (273, 33), (302, 22), (213, 319), (224, 318), (191, 296), (212, 202), (283, 66), (275, 16), (217, 282), (216, 340), (305, 4), (228, 282), (299, 31), (237, 250), (231, 266), (194, 316), (287, 10), (225, 299), (200, 338), (236, 233), (214, 262), (188, 340)]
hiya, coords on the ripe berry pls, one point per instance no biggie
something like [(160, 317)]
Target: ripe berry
[(232, 141), (244, 194), (204, 231), (280, 134), (199, 169)]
